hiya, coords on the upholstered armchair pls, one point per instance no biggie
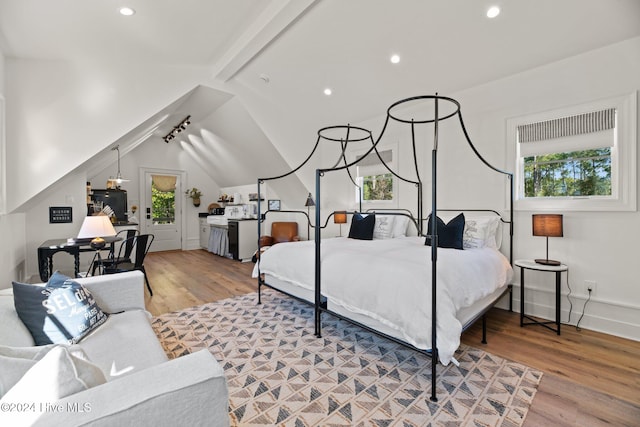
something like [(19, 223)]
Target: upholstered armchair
[(285, 231)]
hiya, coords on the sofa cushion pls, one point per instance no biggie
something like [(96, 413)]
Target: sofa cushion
[(62, 311), (56, 375), (16, 361), (137, 346), (12, 331)]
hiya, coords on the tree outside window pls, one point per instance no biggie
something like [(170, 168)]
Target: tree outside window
[(164, 205), (577, 173)]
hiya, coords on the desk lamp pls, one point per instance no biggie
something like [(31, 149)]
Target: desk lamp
[(547, 225), (340, 218)]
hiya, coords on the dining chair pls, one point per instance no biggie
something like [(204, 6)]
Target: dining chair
[(124, 236), (140, 245)]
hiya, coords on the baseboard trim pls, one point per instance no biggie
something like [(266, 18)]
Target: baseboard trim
[(599, 315)]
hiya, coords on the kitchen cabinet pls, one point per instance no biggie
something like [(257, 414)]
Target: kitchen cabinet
[(205, 230)]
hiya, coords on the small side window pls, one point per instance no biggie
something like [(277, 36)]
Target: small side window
[(374, 179)]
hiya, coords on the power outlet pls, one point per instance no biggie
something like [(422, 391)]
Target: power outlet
[(590, 284)]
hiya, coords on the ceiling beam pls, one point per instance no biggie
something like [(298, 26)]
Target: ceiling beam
[(275, 19)]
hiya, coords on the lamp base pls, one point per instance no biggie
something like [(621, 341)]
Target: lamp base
[(97, 243), (547, 261)]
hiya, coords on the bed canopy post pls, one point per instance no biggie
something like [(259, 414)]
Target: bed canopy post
[(434, 253), (318, 237)]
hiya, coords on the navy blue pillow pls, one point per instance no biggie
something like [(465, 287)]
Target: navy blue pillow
[(450, 235), (362, 226), (61, 312)]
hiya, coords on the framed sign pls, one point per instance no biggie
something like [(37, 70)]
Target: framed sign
[(274, 205), (60, 214)]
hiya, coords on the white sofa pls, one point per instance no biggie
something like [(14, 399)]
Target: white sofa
[(143, 387)]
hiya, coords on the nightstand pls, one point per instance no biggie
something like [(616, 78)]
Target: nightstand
[(529, 264)]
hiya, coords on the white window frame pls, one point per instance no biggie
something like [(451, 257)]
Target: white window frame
[(623, 159), (392, 166)]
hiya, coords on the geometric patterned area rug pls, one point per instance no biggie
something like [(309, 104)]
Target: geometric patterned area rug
[(279, 373)]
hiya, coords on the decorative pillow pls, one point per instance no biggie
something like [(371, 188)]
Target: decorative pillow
[(58, 374), (383, 228), (450, 234), (16, 361), (362, 226), (400, 224), (11, 370), (61, 312), (480, 232)]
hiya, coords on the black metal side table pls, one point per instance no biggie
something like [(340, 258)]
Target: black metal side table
[(529, 264)]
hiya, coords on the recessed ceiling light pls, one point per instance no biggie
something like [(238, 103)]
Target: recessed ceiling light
[(328, 91), (126, 11), (493, 11), (395, 59)]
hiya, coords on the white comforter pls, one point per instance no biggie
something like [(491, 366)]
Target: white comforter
[(390, 280)]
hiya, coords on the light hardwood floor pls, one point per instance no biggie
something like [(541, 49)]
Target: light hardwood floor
[(590, 379)]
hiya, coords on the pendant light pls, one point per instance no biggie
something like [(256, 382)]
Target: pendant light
[(118, 179)]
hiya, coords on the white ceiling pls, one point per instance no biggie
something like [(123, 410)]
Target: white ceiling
[(181, 32), (445, 46), (304, 46)]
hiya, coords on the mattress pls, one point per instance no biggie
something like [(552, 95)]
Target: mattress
[(386, 284)]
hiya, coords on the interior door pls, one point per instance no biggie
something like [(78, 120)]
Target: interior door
[(163, 209)]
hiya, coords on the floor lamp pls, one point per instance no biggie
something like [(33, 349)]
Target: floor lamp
[(308, 204)]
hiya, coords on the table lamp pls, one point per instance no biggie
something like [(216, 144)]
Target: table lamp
[(547, 225), (340, 218), (95, 227)]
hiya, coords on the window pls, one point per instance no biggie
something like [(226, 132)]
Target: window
[(374, 178), (163, 199), (580, 158)]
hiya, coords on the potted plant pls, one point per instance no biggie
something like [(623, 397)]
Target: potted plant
[(195, 194)]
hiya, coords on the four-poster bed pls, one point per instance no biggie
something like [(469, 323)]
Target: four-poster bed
[(385, 285)]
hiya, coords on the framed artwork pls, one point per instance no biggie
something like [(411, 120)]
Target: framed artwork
[(274, 205), (60, 214)]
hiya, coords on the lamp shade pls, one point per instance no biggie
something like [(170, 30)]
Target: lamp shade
[(96, 226), (309, 201), (548, 225), (340, 217)]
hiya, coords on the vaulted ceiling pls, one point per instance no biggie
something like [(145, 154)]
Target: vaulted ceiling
[(279, 56)]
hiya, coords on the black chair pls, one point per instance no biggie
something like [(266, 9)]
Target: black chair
[(139, 245), (125, 237)]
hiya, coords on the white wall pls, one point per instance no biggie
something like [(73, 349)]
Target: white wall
[(70, 191), (64, 113), (12, 227)]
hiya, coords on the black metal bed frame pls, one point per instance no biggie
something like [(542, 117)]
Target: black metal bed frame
[(320, 302)]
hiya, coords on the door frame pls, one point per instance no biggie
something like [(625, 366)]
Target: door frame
[(143, 199)]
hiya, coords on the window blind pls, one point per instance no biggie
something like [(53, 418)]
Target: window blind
[(565, 134), (164, 183), (580, 124), (372, 159)]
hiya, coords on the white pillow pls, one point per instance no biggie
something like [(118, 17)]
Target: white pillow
[(383, 228), (480, 232), (16, 361), (400, 226), (58, 374)]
